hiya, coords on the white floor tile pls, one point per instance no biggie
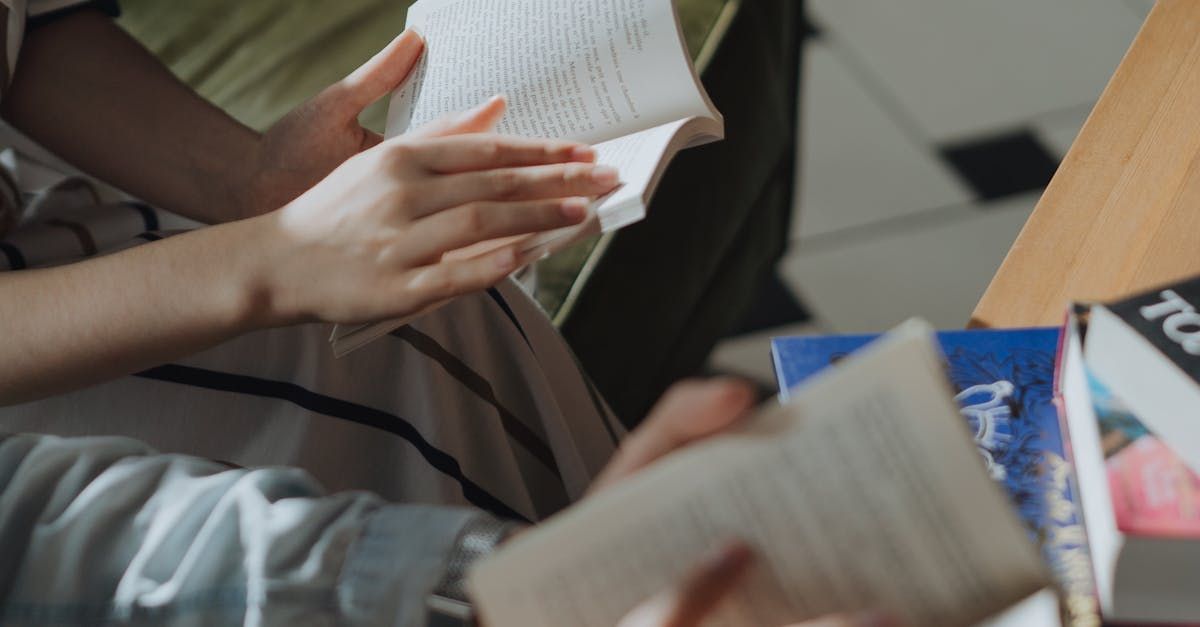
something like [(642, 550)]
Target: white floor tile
[(750, 355), (857, 165), (936, 271), (1059, 131), (962, 67), (1140, 7)]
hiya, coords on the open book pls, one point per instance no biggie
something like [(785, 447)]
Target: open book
[(863, 492), (616, 75)]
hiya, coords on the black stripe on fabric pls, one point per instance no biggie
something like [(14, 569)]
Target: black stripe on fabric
[(496, 296), (16, 260), (150, 237), (86, 243), (480, 386), (149, 218), (336, 408)]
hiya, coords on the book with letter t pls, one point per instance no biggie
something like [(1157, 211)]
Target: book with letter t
[(864, 491), (1146, 349), (1141, 501), (613, 74)]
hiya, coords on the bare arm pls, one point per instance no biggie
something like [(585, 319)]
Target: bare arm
[(367, 243), (89, 92), (86, 90)]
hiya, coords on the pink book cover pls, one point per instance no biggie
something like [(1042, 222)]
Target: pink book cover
[(1153, 492)]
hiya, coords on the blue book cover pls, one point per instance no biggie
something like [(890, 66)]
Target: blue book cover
[(1004, 381)]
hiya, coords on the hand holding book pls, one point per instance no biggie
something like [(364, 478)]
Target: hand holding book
[(370, 241), (864, 492), (615, 75), (688, 415)]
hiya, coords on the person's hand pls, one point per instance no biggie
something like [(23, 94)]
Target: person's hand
[(689, 412), (367, 243), (319, 135)]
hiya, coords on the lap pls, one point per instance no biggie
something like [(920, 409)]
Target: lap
[(478, 403)]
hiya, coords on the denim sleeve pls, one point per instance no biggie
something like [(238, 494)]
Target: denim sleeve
[(97, 530)]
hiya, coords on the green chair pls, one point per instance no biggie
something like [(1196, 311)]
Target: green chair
[(642, 307)]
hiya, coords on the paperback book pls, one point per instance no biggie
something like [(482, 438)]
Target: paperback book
[(864, 491), (1141, 502), (616, 75), (1146, 349)]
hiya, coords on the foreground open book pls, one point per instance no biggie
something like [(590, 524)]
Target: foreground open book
[(865, 491), (616, 75)]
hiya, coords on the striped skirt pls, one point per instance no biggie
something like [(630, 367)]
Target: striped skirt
[(480, 403)]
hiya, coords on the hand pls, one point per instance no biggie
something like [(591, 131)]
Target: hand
[(367, 243), (689, 412), (319, 135)]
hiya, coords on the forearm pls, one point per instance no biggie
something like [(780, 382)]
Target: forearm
[(80, 324), (172, 539), (89, 92)]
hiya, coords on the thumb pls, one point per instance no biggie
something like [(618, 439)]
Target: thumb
[(381, 74), (688, 412), (481, 119)]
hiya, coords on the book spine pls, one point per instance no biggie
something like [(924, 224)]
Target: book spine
[(1067, 550)]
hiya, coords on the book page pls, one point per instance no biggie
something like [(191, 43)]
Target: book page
[(584, 70), (637, 157), (865, 492)]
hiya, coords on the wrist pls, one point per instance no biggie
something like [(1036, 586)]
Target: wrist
[(246, 184), (478, 539), (259, 263)]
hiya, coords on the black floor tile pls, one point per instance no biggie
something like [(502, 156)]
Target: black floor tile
[(1002, 165)]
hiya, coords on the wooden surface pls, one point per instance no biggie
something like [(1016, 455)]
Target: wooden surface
[(1123, 211)]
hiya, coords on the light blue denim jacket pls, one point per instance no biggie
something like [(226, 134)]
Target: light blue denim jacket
[(104, 530)]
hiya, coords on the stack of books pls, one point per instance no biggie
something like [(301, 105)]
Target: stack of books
[(1127, 380), (1094, 432)]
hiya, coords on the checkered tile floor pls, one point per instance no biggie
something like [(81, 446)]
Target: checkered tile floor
[(930, 128)]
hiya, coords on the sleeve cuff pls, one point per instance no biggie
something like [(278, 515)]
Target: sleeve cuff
[(394, 565)]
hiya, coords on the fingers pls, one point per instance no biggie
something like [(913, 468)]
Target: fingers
[(464, 226), (512, 184), (448, 279), (481, 119), (381, 74), (701, 592), (861, 619), (688, 412), (458, 154)]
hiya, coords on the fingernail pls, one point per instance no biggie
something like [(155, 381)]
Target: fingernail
[(506, 259), (873, 619), (606, 175), (482, 106), (575, 209), (734, 392), (732, 556), (409, 33), (583, 153)]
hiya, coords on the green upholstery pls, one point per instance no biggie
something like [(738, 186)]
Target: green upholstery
[(257, 59), (641, 307)]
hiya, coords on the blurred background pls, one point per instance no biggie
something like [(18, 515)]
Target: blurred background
[(929, 129)]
